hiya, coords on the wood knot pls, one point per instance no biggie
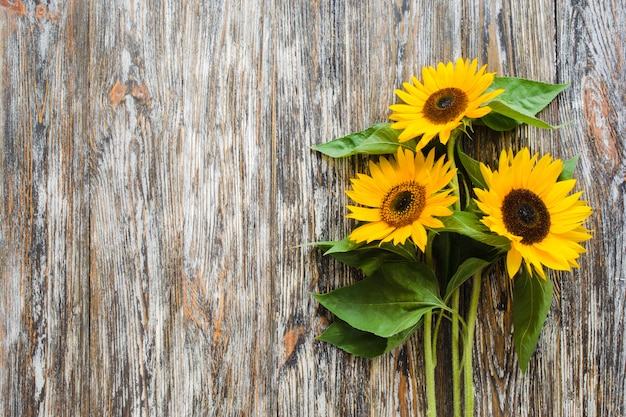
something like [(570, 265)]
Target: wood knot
[(42, 12), (140, 93), (119, 91)]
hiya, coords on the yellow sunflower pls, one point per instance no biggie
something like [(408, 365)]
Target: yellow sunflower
[(525, 203), (401, 197), (447, 96)]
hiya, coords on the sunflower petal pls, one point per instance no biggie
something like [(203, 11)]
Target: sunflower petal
[(513, 262)]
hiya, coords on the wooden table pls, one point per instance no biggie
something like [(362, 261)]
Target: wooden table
[(157, 181)]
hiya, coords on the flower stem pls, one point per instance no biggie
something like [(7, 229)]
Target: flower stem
[(454, 182), (430, 363), (454, 300), (456, 365), (430, 354), (469, 344)]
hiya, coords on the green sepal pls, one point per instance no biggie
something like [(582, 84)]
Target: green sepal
[(389, 301), (379, 139), (568, 169), (521, 100), (532, 296), (360, 343)]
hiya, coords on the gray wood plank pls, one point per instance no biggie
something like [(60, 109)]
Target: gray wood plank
[(44, 256), (593, 311)]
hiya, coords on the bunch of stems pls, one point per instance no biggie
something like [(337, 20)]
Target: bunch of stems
[(462, 330)]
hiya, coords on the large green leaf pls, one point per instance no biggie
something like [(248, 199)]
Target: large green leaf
[(406, 250), (368, 257), (532, 96), (521, 100), (360, 343), (468, 224), (515, 112), (532, 296), (379, 139), (389, 301), (498, 122)]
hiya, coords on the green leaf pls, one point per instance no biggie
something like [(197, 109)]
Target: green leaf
[(532, 296), (472, 167), (521, 100), (568, 169), (406, 250), (368, 257), (389, 301), (532, 96), (468, 268), (360, 343), (517, 113), (379, 139), (498, 122), (468, 224)]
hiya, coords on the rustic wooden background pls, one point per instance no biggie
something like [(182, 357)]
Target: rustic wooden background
[(157, 179)]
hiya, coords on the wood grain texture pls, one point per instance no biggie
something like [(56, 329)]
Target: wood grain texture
[(157, 181)]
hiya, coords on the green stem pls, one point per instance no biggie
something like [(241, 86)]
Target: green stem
[(469, 344), (430, 341), (454, 301), (454, 182), (456, 365), (430, 363)]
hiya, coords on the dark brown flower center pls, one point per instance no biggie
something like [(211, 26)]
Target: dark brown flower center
[(445, 105), (526, 215), (403, 204)]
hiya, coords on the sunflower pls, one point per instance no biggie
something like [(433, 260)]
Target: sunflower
[(447, 96), (525, 203), (401, 197)]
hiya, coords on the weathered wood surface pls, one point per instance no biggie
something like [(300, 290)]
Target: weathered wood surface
[(157, 179)]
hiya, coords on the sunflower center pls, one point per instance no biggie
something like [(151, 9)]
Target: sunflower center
[(526, 215), (403, 204), (445, 105)]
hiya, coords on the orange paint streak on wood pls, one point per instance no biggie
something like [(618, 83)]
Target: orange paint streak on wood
[(291, 340), (402, 395), (17, 7), (194, 297), (217, 325), (117, 93), (599, 112)]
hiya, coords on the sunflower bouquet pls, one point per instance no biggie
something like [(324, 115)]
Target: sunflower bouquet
[(430, 218)]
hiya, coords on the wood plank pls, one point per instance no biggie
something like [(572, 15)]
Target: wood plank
[(593, 311), (45, 215)]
